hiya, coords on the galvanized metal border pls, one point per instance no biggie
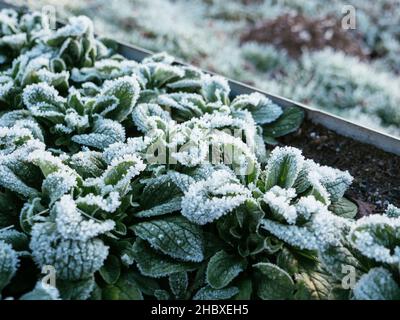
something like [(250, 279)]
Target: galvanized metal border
[(335, 123)]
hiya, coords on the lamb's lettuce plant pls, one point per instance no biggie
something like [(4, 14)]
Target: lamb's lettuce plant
[(370, 250), (149, 180)]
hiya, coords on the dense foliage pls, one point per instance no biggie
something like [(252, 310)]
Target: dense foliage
[(149, 180), (361, 87)]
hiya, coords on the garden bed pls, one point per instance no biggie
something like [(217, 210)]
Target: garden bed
[(150, 179), (376, 173)]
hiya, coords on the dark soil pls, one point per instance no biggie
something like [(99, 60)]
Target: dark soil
[(295, 32), (376, 173)]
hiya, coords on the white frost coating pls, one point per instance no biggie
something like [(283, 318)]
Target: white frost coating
[(377, 284), (209, 199), (278, 200), (49, 163), (16, 145), (193, 150), (331, 183), (112, 180), (8, 263), (323, 229), (283, 156), (377, 237), (300, 237), (306, 207), (214, 88), (72, 225), (392, 211), (72, 259), (109, 204), (76, 27), (132, 146), (42, 91), (235, 152)]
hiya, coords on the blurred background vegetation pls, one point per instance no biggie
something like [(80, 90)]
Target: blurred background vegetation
[(294, 48)]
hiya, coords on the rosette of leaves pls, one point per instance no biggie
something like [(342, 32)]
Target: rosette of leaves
[(217, 218), (84, 120), (75, 42), (300, 219), (17, 173), (18, 31), (369, 253)]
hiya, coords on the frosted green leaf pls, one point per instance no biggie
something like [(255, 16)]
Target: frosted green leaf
[(76, 27), (344, 208), (72, 259), (22, 119), (377, 284), (284, 165), (118, 175), (18, 240), (262, 109), (334, 258), (392, 211), (125, 92), (316, 284), (42, 292), (44, 101), (105, 132), (208, 293), (88, 164), (126, 288), (163, 194), (377, 238), (57, 184), (49, 163), (207, 200), (145, 114), (16, 173), (11, 181), (154, 264), (215, 88), (274, 283), (162, 295), (174, 236), (178, 282), (157, 75), (331, 181), (223, 268), (288, 122), (31, 213), (76, 289), (183, 106), (8, 264), (71, 223)]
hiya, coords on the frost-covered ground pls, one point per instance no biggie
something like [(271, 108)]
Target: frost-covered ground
[(248, 40)]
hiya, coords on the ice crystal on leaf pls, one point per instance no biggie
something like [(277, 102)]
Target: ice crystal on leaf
[(263, 110), (284, 165), (68, 241), (377, 284), (71, 225), (16, 172), (209, 199), (376, 237)]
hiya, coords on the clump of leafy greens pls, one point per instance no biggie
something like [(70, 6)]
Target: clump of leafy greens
[(149, 180)]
